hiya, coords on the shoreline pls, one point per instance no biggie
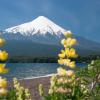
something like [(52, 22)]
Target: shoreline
[(44, 76), (32, 84)]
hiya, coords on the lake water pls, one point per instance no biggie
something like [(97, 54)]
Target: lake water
[(28, 70)]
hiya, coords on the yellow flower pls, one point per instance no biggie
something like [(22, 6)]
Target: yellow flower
[(69, 81), (60, 81), (62, 55), (73, 53), (3, 83), (68, 41), (3, 92), (73, 42), (27, 93), (66, 62), (62, 51), (72, 64), (62, 90), (53, 78), (67, 51), (61, 71), (70, 52), (70, 73), (69, 63), (2, 41), (68, 34), (3, 69), (61, 61), (63, 42), (51, 91), (41, 90), (3, 55)]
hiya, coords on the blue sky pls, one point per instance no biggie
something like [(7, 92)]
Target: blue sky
[(80, 16)]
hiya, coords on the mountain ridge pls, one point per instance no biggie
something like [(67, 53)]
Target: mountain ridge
[(36, 42)]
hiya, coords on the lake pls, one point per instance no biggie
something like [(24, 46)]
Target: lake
[(29, 70)]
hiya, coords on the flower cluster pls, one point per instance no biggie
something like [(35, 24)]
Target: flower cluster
[(66, 76), (65, 80), (3, 70), (65, 85), (20, 92), (3, 55), (68, 52), (63, 72), (67, 62), (69, 42), (62, 83), (3, 86), (2, 41), (41, 90)]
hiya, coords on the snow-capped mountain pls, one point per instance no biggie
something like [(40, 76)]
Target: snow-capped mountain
[(40, 25), (41, 37), (40, 30)]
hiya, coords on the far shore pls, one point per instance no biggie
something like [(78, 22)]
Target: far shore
[(29, 59)]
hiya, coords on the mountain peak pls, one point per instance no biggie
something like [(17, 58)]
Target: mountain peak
[(40, 25), (41, 17)]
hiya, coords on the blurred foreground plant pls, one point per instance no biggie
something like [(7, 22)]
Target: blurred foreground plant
[(3, 70), (91, 76), (18, 92), (65, 85), (14, 93)]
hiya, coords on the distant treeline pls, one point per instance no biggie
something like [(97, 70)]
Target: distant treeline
[(87, 59), (23, 59), (28, 59)]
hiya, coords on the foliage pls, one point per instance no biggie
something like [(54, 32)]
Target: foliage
[(69, 84), (91, 75)]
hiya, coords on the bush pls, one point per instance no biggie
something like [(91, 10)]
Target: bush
[(69, 84)]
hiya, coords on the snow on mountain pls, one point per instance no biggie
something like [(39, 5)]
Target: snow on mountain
[(40, 25)]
